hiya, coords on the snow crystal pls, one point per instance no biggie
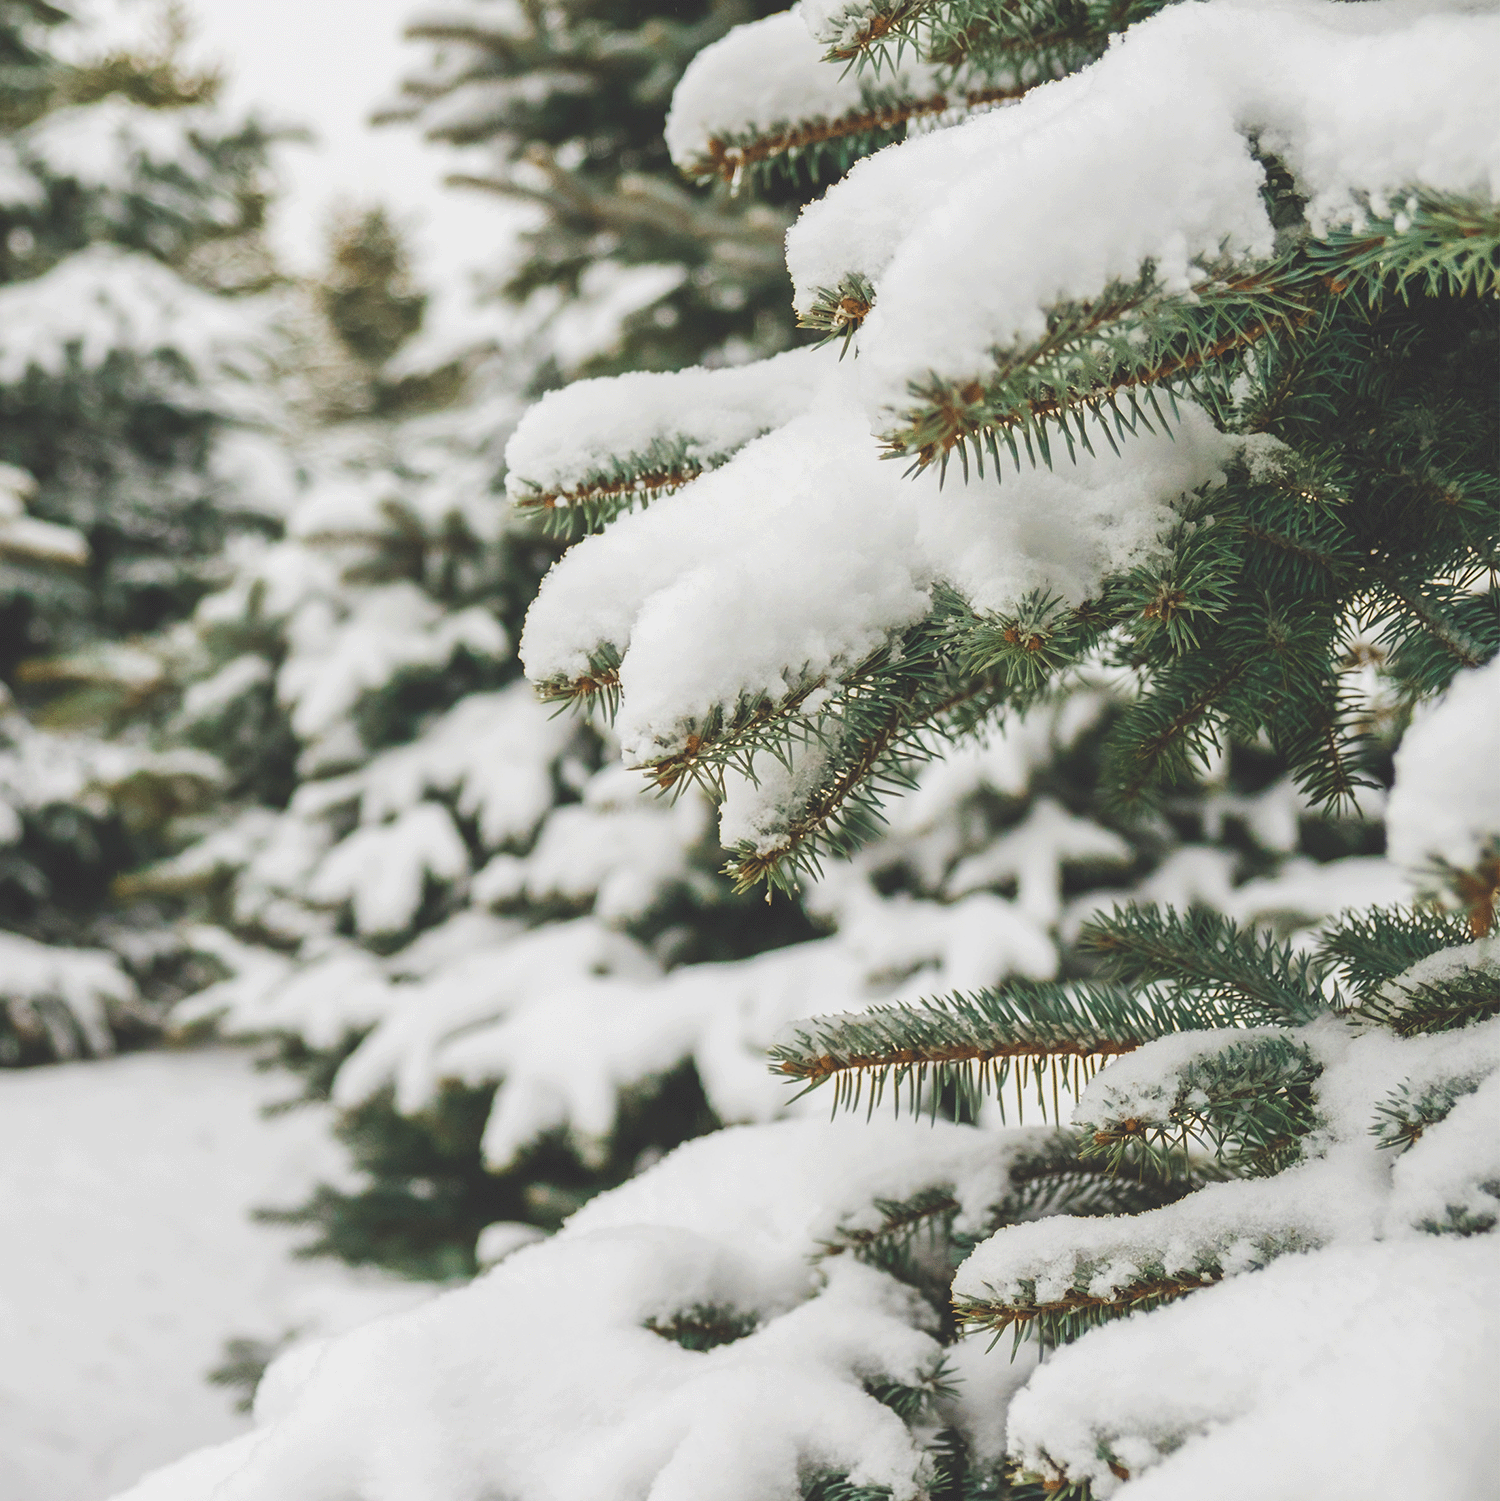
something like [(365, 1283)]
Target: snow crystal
[(1446, 801)]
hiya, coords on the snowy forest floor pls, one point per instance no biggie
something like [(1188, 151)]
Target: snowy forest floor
[(128, 1256)]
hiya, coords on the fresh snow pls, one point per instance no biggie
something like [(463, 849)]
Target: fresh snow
[(571, 437), (806, 551), (1446, 804), (104, 300), (767, 75), (732, 1220), (1345, 1374), (970, 235), (128, 1257)]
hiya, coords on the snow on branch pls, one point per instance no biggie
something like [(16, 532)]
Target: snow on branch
[(970, 236), (104, 302), (600, 447), (1445, 812), (1138, 1405), (63, 997), (764, 93), (816, 554), (29, 538)]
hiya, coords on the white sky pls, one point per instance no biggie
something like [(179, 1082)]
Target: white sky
[(326, 64)]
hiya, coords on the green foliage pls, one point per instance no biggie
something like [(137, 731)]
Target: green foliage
[(426, 1193), (966, 1046), (1238, 973), (367, 294), (244, 1363), (583, 143), (1250, 1101), (704, 1326), (1406, 1114), (1373, 947), (1035, 39), (1357, 367), (620, 485)]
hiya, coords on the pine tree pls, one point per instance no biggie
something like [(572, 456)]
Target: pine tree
[(1212, 390), (129, 218)]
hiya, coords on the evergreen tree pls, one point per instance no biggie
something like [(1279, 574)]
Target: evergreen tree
[(127, 220), (396, 990), (560, 107), (1213, 390)]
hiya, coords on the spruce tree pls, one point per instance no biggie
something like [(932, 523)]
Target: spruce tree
[(128, 225), (1211, 387), (594, 910)]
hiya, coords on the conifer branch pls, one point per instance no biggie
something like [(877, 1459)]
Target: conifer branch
[(601, 495), (1200, 953), (824, 147), (1406, 1113), (1249, 1099), (1412, 1010), (1137, 336), (1060, 1321), (1371, 948), (1037, 38), (704, 1326), (964, 1046)]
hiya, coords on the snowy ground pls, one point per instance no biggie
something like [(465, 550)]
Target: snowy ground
[(127, 1258)]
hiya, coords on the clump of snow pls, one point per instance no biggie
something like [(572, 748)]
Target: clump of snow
[(1350, 1372), (1482, 957), (23, 536), (1446, 801), (338, 654), (731, 1221), (573, 437), (768, 75), (1143, 1085), (65, 995), (970, 235), (617, 849), (102, 301), (381, 869), (1450, 1179), (504, 1238), (805, 552)]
